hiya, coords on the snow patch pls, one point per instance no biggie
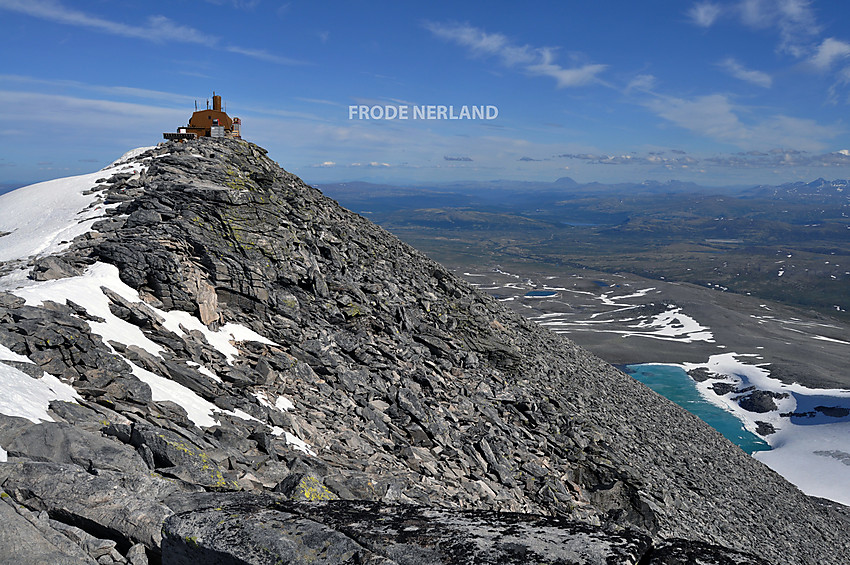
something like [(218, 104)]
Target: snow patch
[(26, 397), (80, 290), (182, 323), (205, 371), (85, 291), (199, 411), (7, 354), (673, 324), (284, 404), (43, 218), (298, 444)]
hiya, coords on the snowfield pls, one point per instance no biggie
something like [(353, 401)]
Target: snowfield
[(815, 457), (43, 218)]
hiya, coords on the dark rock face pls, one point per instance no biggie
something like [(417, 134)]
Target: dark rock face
[(406, 387), (684, 552), (263, 529)]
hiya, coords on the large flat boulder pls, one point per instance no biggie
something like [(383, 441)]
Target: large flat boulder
[(260, 529)]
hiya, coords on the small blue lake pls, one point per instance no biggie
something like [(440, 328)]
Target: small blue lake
[(541, 293), (675, 384)]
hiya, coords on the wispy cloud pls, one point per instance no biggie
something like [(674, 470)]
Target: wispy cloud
[(793, 20), (778, 158), (83, 115), (157, 29), (115, 91), (642, 83), (716, 117), (318, 101), (737, 70), (238, 4), (538, 61), (577, 76), (830, 51), (262, 55), (704, 14)]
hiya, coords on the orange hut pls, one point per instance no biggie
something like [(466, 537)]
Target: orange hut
[(212, 122)]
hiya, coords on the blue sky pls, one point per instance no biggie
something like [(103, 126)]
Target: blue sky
[(719, 93)]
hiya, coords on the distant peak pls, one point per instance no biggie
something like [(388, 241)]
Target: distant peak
[(565, 181)]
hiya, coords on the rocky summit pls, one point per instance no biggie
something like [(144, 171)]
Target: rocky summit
[(253, 374)]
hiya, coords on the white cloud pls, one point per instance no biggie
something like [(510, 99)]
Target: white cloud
[(482, 43), (794, 20), (158, 29), (565, 77), (318, 101), (116, 91), (772, 159), (704, 14), (716, 117), (238, 4), (82, 116), (738, 71), (537, 61), (642, 83), (830, 51), (262, 55)]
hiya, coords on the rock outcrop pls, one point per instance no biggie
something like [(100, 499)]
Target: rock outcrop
[(276, 348), (260, 529)]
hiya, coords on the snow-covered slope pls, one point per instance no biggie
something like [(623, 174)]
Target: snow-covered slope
[(37, 220), (42, 218)]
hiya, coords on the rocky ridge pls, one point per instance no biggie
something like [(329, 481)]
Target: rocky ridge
[(365, 378)]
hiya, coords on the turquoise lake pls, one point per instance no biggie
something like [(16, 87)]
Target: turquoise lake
[(675, 384)]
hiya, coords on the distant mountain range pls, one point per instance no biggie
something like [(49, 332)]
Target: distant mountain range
[(668, 230), (507, 194), (822, 190)]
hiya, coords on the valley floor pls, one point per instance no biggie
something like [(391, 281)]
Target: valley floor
[(781, 371)]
